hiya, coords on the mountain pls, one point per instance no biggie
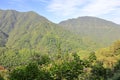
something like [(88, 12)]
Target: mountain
[(100, 30), (32, 31), (28, 39), (10, 19)]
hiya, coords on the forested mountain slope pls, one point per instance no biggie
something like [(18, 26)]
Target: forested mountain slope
[(34, 48), (96, 28), (30, 30), (3, 38)]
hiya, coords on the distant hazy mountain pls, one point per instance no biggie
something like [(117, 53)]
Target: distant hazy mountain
[(30, 30), (99, 29)]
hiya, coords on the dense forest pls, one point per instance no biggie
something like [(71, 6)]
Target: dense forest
[(34, 48)]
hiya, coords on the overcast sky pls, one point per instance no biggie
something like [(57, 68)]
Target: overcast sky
[(58, 10)]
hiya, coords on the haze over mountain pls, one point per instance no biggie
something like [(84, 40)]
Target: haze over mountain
[(96, 28), (30, 30)]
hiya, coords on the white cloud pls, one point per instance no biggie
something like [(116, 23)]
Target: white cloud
[(64, 7), (113, 16), (75, 8), (100, 7)]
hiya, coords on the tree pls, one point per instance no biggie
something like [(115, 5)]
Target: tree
[(98, 72), (18, 74), (44, 75), (68, 70), (116, 47), (41, 59), (30, 72), (92, 57)]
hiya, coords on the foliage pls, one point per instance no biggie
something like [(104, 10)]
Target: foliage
[(68, 70), (30, 72), (94, 30), (98, 72), (40, 59), (92, 57), (33, 48), (1, 78)]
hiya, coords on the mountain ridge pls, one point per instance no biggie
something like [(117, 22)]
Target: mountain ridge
[(92, 17), (96, 28), (30, 30)]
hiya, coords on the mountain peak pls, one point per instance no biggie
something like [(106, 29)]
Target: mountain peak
[(94, 27), (91, 20)]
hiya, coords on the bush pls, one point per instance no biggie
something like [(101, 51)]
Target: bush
[(98, 72), (30, 72)]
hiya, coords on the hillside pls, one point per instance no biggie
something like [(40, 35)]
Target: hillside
[(34, 48), (3, 38), (10, 19), (32, 31), (99, 29)]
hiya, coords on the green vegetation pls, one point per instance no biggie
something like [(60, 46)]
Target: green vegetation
[(96, 29), (33, 48), (32, 31), (3, 38), (33, 65)]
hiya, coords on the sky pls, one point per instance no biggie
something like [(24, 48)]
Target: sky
[(59, 10)]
